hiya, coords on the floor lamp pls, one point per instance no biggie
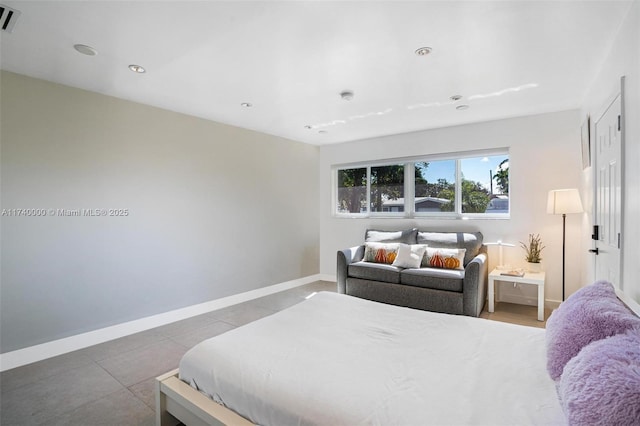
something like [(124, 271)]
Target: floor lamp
[(564, 201)]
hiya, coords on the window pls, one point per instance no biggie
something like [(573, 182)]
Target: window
[(435, 186), (352, 190), (485, 184), (468, 184), (387, 189)]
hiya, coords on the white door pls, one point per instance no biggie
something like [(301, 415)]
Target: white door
[(608, 196)]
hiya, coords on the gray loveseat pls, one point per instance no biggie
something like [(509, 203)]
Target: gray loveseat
[(441, 290)]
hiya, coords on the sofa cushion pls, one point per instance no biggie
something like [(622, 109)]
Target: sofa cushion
[(439, 279), (444, 258), (380, 252), (408, 236), (466, 240), (410, 256), (375, 272)]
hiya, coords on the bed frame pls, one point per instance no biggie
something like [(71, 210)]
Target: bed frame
[(178, 402)]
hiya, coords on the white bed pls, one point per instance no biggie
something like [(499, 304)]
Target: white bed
[(339, 360)]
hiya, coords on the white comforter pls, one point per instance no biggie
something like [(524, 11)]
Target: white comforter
[(339, 360)]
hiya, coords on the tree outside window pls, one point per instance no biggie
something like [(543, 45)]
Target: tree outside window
[(352, 190), (483, 187), (387, 185), (485, 184)]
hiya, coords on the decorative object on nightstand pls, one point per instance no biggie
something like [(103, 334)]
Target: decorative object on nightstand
[(500, 244), (564, 201), (512, 273), (534, 251)]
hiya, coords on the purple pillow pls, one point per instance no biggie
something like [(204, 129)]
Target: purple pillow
[(592, 313), (601, 385)]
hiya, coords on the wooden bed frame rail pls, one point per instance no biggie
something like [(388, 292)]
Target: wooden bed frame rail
[(178, 402)]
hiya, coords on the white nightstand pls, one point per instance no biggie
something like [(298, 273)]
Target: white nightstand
[(535, 278)]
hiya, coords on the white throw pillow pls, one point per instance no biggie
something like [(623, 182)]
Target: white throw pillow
[(410, 256)]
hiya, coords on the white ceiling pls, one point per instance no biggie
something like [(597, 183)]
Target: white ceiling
[(292, 59)]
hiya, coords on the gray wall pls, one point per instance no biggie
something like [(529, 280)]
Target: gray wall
[(214, 210)]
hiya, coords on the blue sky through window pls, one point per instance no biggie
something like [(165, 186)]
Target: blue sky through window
[(475, 169)]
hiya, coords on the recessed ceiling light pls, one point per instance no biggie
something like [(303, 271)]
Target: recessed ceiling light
[(347, 95), (246, 105), (137, 68), (462, 107), (423, 51), (456, 98), (85, 50)]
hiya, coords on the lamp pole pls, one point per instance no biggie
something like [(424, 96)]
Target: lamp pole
[(563, 201), (564, 219)]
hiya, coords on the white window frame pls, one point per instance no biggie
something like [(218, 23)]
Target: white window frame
[(409, 187)]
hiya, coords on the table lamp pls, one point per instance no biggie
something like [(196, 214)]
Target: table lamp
[(500, 244)]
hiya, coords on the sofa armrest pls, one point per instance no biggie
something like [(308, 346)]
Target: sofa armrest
[(474, 287), (345, 258)]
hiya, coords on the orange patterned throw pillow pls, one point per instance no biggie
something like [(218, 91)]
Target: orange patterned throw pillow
[(380, 252), (443, 258)]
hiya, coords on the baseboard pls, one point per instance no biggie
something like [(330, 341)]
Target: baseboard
[(327, 277), (43, 351), (551, 304), (518, 299), (529, 301), (631, 304)]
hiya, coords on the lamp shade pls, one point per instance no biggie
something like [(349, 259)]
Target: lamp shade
[(562, 201)]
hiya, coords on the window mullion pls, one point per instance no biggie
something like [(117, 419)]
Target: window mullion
[(458, 206), (409, 189), (369, 190)]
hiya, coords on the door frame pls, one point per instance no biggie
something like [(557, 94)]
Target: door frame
[(594, 176)]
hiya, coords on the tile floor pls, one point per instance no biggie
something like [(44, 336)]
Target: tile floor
[(113, 383)]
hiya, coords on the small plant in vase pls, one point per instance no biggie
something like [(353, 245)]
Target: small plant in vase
[(533, 250)]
